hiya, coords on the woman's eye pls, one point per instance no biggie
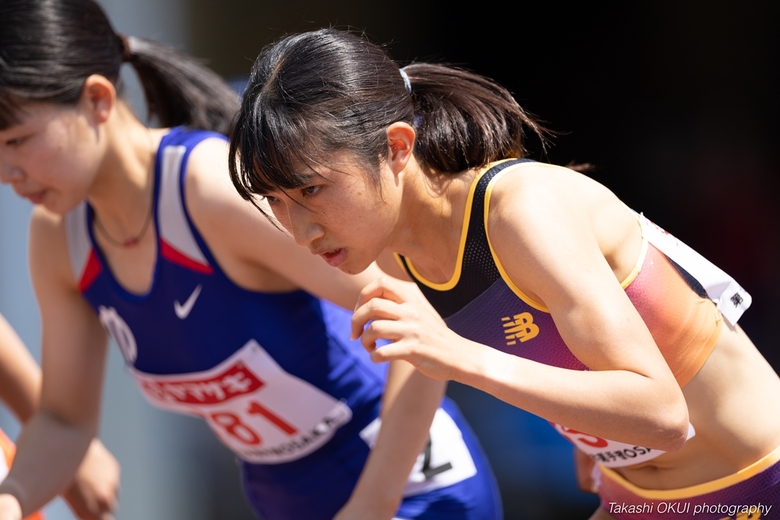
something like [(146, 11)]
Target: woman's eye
[(308, 191), (270, 199), (16, 141)]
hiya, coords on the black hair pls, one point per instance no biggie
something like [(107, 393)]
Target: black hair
[(48, 48), (315, 93)]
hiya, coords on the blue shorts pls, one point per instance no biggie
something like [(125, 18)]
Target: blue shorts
[(317, 486)]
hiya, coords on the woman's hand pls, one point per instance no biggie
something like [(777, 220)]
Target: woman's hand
[(93, 493), (396, 311)]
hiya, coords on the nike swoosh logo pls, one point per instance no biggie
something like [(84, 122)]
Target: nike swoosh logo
[(182, 311)]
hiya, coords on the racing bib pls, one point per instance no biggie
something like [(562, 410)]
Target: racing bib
[(609, 453), (445, 460), (262, 413)]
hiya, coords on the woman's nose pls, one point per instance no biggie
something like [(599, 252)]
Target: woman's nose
[(9, 174), (301, 226)]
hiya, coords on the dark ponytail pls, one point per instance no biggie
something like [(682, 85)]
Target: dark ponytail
[(312, 94), (179, 90), (48, 48), (464, 120)]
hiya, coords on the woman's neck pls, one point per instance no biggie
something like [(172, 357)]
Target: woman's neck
[(121, 195), (438, 201)]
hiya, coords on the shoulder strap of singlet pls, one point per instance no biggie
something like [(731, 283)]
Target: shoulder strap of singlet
[(478, 270), (178, 239)]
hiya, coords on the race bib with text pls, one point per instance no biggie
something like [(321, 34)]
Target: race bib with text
[(445, 461), (262, 413), (612, 454)]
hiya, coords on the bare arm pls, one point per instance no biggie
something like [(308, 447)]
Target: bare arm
[(409, 403), (96, 481), (544, 232), (408, 406), (247, 244), (20, 377), (253, 252), (543, 235), (55, 439)]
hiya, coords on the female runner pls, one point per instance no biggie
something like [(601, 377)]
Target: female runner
[(139, 232), (546, 290), (96, 481)]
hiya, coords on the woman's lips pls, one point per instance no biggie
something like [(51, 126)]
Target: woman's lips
[(336, 257)]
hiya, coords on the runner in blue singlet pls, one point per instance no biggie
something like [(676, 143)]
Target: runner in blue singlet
[(138, 232)]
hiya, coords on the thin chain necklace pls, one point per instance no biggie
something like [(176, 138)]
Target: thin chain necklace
[(132, 241)]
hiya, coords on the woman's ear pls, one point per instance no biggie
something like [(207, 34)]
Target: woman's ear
[(98, 97), (400, 145)]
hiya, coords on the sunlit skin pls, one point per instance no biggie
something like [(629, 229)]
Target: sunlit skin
[(44, 157), (592, 242), (318, 215), (58, 156), (96, 482), (98, 151), (343, 216)]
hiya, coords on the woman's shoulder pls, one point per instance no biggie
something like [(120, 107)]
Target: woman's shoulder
[(532, 178), (530, 189), (207, 182), (221, 216), (536, 200)]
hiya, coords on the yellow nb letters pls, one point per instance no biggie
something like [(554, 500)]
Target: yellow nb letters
[(520, 327)]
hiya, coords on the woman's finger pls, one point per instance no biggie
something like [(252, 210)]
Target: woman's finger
[(391, 351), (374, 309), (384, 287), (388, 330)]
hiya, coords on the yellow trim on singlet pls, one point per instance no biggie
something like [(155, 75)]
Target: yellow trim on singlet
[(519, 293), (515, 289), (452, 282), (699, 489), (642, 253)]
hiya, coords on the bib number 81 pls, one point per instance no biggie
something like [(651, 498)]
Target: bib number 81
[(233, 426)]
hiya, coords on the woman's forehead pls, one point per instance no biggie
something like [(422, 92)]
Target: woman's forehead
[(30, 111)]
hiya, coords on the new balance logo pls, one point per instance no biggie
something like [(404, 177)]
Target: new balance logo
[(182, 311), (520, 327)]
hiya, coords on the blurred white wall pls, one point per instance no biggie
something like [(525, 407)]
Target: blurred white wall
[(167, 461)]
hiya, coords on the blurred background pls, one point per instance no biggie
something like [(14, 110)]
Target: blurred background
[(675, 104)]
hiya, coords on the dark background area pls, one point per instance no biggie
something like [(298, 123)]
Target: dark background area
[(674, 103)]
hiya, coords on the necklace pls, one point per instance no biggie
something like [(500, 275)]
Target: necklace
[(130, 241)]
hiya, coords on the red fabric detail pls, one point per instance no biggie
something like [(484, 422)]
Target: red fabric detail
[(177, 257), (91, 271)]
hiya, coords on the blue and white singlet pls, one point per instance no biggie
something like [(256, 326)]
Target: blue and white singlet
[(273, 374)]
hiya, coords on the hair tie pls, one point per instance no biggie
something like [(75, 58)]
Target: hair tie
[(126, 52), (407, 83)]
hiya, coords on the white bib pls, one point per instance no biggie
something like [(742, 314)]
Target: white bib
[(262, 413), (444, 461)]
